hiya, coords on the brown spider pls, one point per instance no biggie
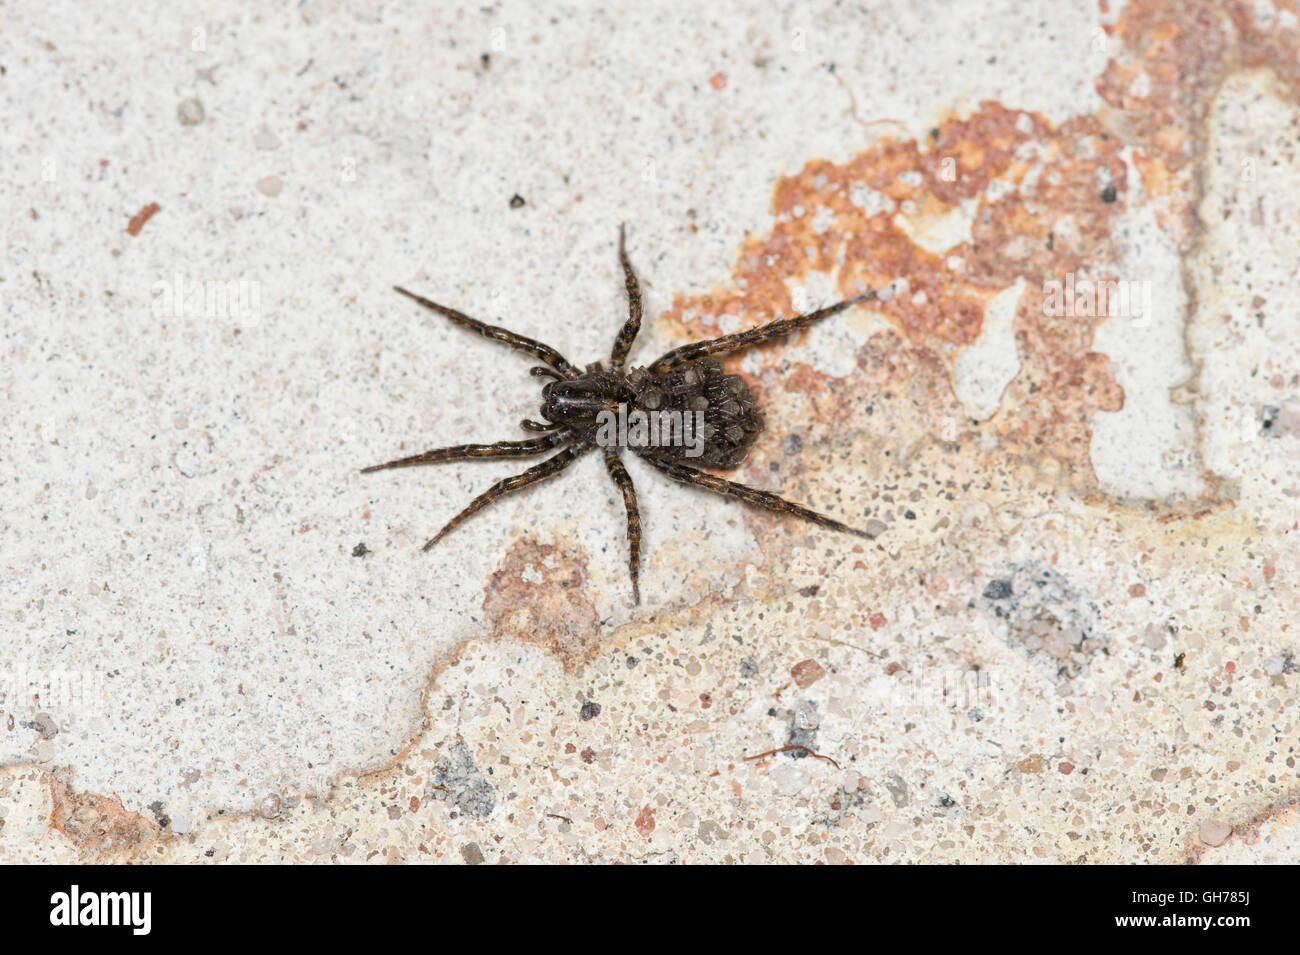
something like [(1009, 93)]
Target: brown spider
[(581, 407)]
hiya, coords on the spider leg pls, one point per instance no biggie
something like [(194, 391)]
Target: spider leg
[(518, 342), (754, 336), (633, 324), (541, 371), (750, 495), (552, 465), (528, 424), (462, 452), (624, 482)]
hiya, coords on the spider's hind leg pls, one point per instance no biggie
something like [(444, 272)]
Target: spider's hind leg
[(751, 495), (627, 334), (551, 466), (624, 482)]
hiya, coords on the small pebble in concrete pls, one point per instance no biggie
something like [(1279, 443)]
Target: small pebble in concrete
[(471, 853), (875, 527), (998, 590), (807, 673), (1214, 832), (458, 779), (45, 726), (190, 111)]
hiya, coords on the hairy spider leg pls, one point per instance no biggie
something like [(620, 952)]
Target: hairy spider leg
[(750, 495), (528, 424), (518, 342), (623, 481), (627, 334), (754, 336), (551, 466), (463, 452)]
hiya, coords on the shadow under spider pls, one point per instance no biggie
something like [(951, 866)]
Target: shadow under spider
[(577, 406)]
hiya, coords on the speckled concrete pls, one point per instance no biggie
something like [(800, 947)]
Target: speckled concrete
[(1073, 640)]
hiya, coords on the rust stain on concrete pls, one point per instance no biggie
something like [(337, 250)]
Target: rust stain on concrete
[(1041, 201), (538, 595), (1027, 199), (98, 825)]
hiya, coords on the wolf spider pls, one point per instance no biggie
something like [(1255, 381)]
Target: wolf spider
[(685, 379)]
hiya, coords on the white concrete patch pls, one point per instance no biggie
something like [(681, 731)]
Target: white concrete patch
[(939, 233), (871, 201), (984, 368), (1246, 331), (1148, 448)]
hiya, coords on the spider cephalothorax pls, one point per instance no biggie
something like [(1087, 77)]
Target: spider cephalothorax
[(680, 413)]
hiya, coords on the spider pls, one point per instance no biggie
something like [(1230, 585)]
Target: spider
[(579, 408)]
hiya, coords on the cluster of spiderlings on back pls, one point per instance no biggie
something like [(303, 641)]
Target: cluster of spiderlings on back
[(731, 417)]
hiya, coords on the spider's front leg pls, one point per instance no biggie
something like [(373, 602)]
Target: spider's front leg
[(464, 452), (506, 337), (528, 424), (627, 334)]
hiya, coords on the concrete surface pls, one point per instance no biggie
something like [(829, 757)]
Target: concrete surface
[(1074, 640)]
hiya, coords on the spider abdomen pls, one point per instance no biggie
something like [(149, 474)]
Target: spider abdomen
[(719, 413)]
